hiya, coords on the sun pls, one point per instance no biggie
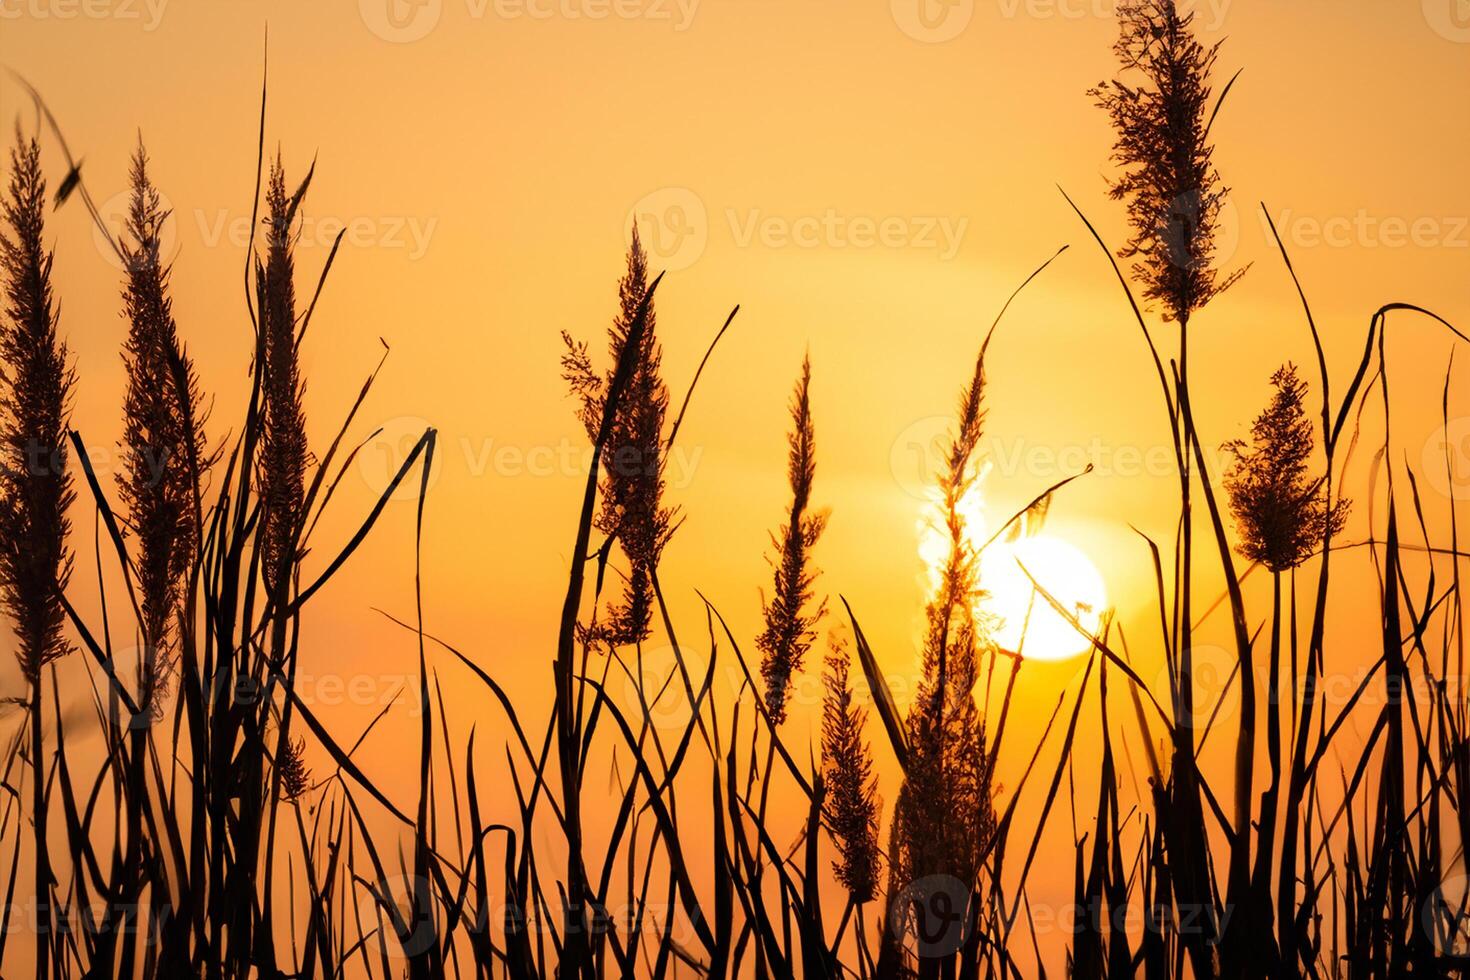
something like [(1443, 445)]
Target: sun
[(1062, 570), (1022, 620)]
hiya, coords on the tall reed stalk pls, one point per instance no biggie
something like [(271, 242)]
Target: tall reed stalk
[(790, 616), (35, 487), (943, 818), (1174, 197)]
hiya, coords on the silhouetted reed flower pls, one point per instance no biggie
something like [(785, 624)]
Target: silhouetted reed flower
[(295, 774), (944, 814), (851, 806), (162, 445), (1281, 511), (35, 487), (790, 625), (632, 510), (1173, 191), (283, 449)]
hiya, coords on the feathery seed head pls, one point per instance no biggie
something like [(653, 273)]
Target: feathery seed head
[(1169, 180), (1282, 512), (35, 487)]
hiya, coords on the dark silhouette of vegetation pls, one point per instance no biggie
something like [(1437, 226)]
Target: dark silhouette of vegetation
[(790, 618), (200, 841), (1280, 511), (632, 510), (1169, 180), (943, 817), (852, 807), (163, 444), (35, 484)]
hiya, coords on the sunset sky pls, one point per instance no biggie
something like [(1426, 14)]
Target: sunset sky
[(868, 181)]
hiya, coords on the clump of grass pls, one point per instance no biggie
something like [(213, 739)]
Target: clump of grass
[(189, 891), (35, 486), (790, 619)]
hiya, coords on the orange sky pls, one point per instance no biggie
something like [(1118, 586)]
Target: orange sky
[(863, 184)]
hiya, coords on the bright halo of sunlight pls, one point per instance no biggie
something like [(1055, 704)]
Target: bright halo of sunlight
[(1059, 568)]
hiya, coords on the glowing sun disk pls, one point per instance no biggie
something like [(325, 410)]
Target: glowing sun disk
[(1059, 568)]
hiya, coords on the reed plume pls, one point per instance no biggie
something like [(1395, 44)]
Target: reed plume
[(1281, 511), (283, 447), (1174, 198), (944, 816), (790, 624), (1169, 180), (295, 774), (35, 487), (632, 511), (163, 445), (35, 564), (851, 806), (1283, 515)]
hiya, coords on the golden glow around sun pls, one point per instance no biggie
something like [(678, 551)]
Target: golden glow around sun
[(1059, 568), (1021, 622)]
